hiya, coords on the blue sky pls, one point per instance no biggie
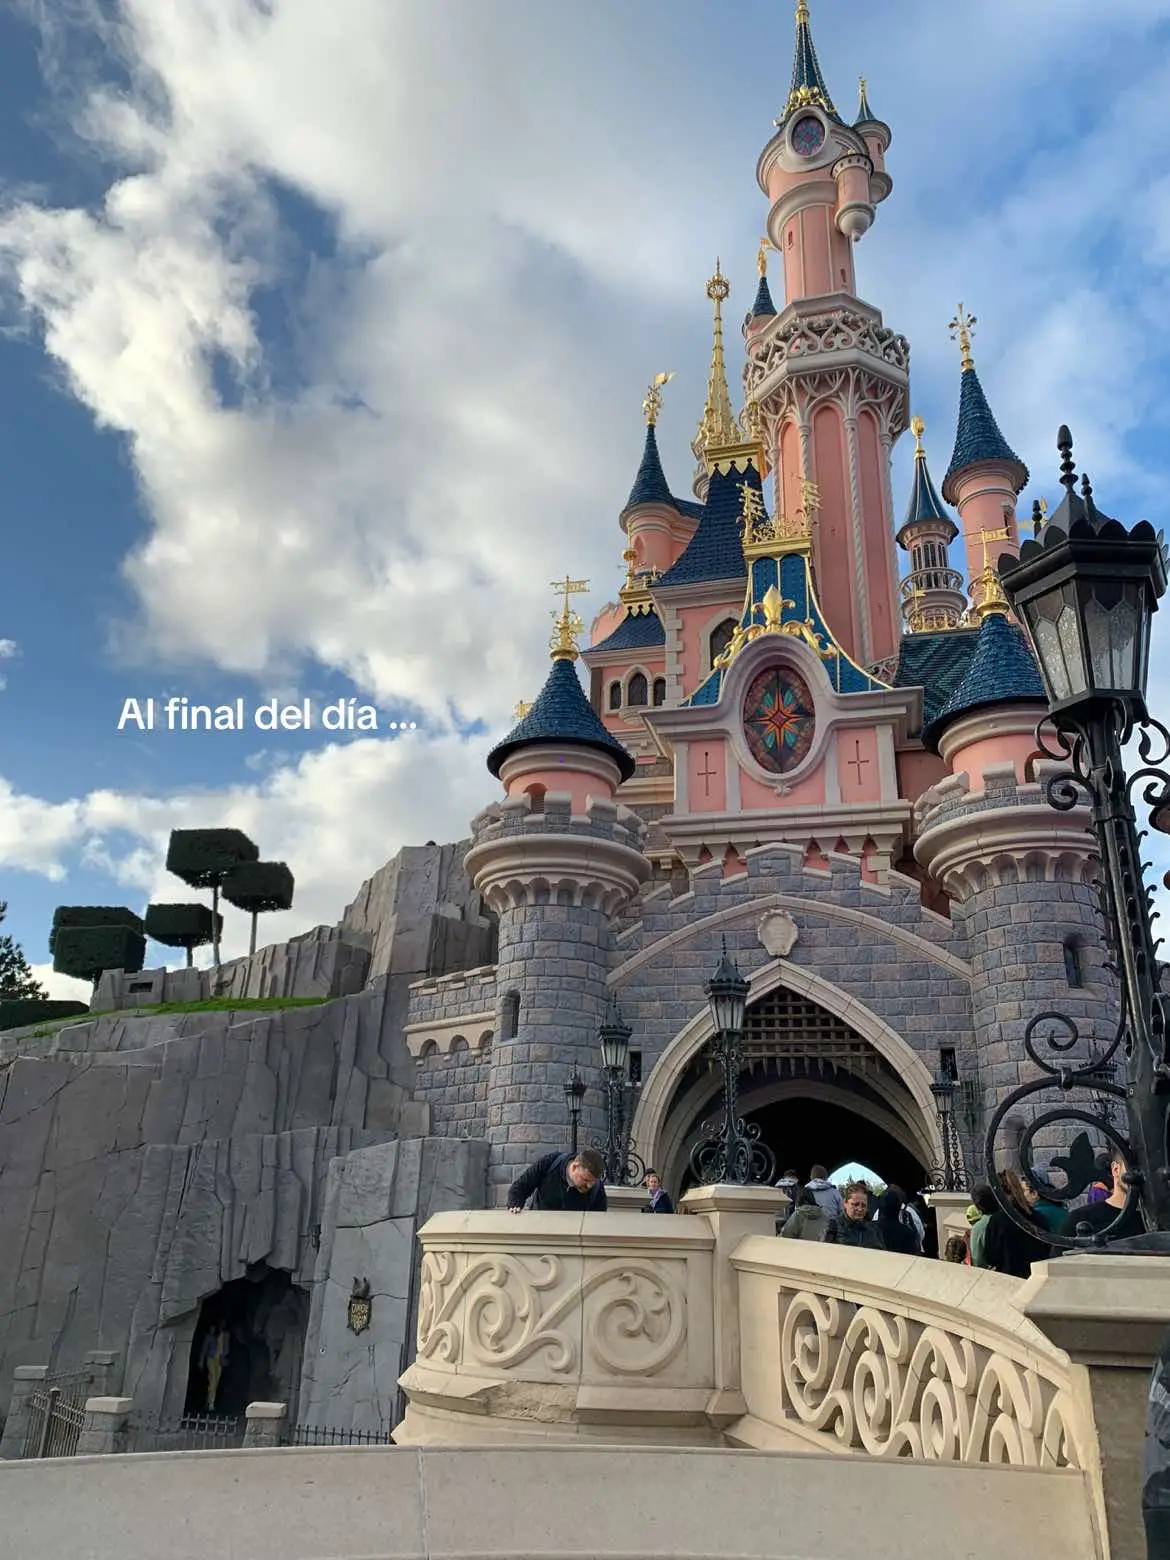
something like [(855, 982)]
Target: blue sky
[(326, 328)]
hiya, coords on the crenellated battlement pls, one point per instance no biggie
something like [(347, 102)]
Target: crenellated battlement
[(1005, 831)]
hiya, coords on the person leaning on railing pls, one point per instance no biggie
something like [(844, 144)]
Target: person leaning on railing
[(561, 1183)]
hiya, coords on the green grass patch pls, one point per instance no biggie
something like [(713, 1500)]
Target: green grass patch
[(160, 1009)]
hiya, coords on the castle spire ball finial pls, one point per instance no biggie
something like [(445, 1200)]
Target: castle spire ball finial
[(918, 428), (652, 404), (961, 328), (568, 625)]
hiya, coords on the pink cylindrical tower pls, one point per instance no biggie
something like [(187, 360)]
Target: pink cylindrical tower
[(830, 380)]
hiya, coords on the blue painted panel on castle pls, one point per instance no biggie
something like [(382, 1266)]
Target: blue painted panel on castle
[(708, 693)]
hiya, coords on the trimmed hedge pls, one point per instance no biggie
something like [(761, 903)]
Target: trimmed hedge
[(16, 1012), (203, 857), (259, 886), (85, 952), (182, 926), (92, 915)]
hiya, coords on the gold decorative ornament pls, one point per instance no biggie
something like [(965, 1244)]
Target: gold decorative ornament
[(918, 428), (718, 426), (783, 534), (522, 709), (563, 644), (762, 255), (987, 595), (652, 404), (961, 329)]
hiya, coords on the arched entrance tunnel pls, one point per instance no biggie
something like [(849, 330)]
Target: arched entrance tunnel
[(248, 1344), (819, 1092)]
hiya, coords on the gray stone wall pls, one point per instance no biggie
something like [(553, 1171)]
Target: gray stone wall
[(925, 1001), (375, 1202), (455, 1086), (454, 996)]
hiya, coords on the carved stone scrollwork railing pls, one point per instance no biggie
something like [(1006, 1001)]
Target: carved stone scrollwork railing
[(556, 1323), (899, 1357)]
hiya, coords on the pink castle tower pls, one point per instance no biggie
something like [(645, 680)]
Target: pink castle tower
[(830, 380)]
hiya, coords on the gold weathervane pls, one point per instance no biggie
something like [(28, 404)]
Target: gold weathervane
[(987, 594), (652, 404), (961, 329), (563, 643)]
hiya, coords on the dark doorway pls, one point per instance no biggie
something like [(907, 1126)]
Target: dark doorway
[(804, 1132), (248, 1344)]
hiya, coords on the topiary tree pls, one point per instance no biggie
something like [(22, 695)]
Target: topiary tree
[(17, 982), (259, 886), (182, 926), (86, 952), (203, 858)]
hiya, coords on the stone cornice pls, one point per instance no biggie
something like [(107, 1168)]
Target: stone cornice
[(970, 850), (515, 869)]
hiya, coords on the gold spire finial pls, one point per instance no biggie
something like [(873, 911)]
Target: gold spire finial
[(629, 558), (918, 428), (762, 255), (961, 328), (718, 425), (801, 12), (652, 404), (522, 709), (987, 594), (563, 645)]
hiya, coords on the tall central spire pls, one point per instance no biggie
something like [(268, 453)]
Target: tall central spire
[(718, 426), (808, 89)]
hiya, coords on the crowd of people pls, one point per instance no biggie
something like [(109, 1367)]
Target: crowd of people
[(881, 1221)]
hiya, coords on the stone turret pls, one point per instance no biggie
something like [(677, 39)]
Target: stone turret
[(555, 861), (1020, 874)]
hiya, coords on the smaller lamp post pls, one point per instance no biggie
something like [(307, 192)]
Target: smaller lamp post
[(947, 1178), (574, 1094), (730, 1150), (621, 1167)]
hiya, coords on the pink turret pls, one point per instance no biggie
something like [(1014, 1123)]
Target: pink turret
[(830, 380)]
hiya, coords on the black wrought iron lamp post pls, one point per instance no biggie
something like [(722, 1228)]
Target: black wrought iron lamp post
[(729, 1149), (622, 1168), (948, 1177), (574, 1093), (1085, 592)]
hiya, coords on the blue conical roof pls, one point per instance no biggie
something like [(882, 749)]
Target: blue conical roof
[(715, 552), (925, 504), (763, 304), (1001, 671), (650, 484), (561, 716), (977, 437), (636, 631), (808, 82)]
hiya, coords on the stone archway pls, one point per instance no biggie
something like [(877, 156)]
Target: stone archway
[(805, 1038)]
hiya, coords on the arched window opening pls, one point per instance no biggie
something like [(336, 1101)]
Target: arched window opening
[(659, 691), (510, 1015), (1074, 967), (721, 637), (535, 795), (615, 695), (638, 693)]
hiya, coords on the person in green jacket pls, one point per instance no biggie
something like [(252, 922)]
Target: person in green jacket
[(809, 1220), (984, 1201)]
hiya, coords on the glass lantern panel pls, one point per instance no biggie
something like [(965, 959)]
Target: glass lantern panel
[(1112, 635), (1069, 633)]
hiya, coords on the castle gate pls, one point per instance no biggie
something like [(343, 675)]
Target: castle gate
[(820, 1091)]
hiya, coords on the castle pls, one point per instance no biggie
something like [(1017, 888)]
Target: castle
[(786, 751)]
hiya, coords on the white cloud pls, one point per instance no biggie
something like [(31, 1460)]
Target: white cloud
[(335, 817), (527, 199)]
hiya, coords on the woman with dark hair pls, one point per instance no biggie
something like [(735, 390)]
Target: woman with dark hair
[(984, 1203), (1006, 1247), (897, 1232)]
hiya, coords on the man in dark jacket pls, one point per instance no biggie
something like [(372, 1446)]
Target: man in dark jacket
[(854, 1227), (659, 1197), (565, 1183)]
